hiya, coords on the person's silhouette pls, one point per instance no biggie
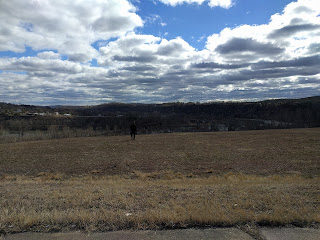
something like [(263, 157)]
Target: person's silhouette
[(133, 130)]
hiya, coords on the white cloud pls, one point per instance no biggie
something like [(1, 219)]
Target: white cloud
[(175, 48), (48, 55), (135, 49), (212, 3), (70, 27), (130, 48), (294, 31), (220, 3)]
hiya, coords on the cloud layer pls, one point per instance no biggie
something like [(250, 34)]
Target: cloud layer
[(279, 59)]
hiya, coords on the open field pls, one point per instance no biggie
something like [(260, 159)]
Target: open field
[(252, 152), (268, 178)]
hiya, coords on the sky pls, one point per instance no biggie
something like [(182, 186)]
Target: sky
[(88, 52)]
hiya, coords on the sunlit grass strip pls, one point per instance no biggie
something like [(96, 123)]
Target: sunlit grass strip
[(155, 201)]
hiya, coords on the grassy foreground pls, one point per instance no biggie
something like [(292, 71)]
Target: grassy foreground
[(268, 178), (156, 201)]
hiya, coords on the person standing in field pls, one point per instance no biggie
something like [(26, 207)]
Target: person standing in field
[(133, 130)]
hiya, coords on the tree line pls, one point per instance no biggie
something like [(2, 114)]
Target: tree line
[(115, 118)]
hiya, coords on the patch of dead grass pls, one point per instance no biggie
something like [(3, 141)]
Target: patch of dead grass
[(155, 201)]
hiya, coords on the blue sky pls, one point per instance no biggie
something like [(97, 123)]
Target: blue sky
[(195, 22), (151, 51)]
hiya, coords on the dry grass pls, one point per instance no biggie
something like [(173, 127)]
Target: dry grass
[(158, 200), (161, 181)]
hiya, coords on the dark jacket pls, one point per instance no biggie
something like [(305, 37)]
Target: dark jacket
[(133, 128)]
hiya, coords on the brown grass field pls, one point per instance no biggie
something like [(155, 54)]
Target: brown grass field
[(252, 152), (161, 181)]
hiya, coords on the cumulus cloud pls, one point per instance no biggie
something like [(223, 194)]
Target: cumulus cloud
[(141, 49), (176, 47), (70, 27), (128, 47), (291, 34)]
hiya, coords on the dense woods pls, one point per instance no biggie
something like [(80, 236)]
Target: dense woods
[(115, 118)]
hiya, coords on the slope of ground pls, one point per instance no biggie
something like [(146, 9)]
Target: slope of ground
[(253, 152)]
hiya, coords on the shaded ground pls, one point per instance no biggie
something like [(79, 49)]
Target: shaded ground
[(254, 152)]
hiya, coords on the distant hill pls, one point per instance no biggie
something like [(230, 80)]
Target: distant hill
[(281, 112), (168, 117)]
